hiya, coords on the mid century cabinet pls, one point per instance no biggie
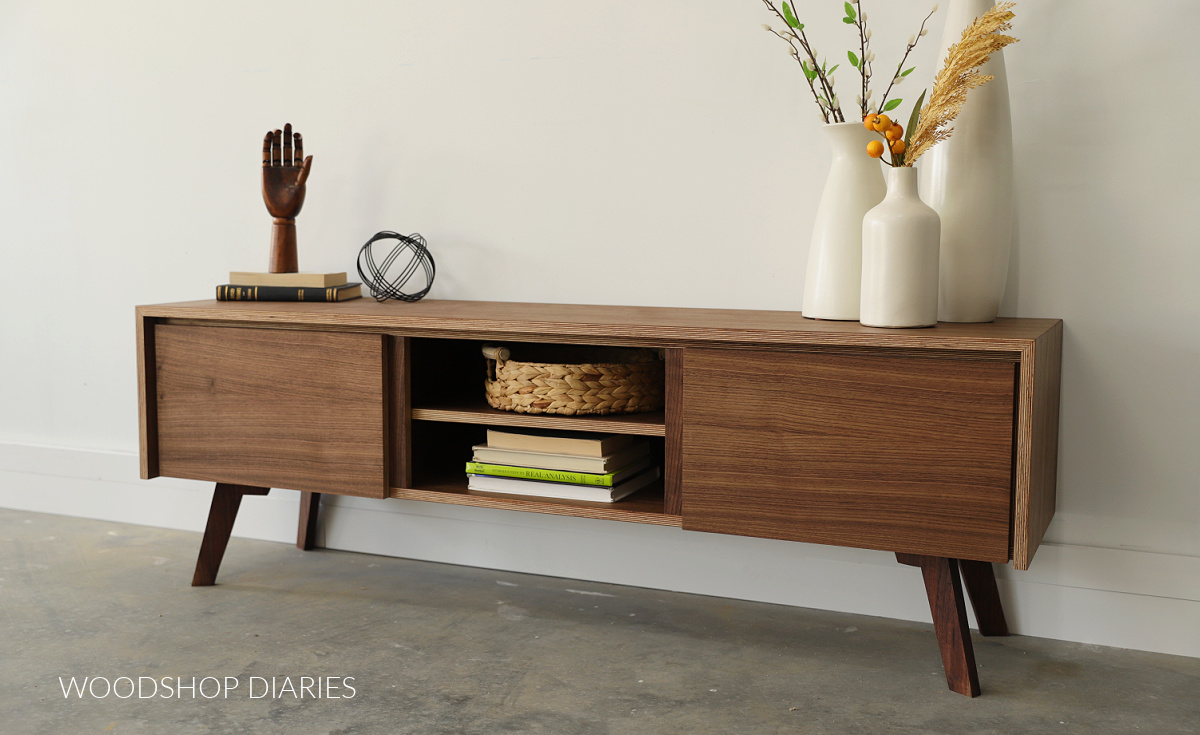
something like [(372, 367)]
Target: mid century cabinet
[(938, 445)]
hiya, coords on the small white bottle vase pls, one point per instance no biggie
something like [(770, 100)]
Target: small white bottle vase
[(968, 179), (900, 257), (855, 184)]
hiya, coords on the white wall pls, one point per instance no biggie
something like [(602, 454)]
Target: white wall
[(616, 152)]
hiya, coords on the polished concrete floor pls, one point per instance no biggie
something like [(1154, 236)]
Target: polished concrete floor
[(433, 648)]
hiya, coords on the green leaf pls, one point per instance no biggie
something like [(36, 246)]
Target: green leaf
[(850, 12), (913, 119), (848, 21), (908, 71), (893, 104), (789, 16), (809, 74), (853, 58), (831, 71)]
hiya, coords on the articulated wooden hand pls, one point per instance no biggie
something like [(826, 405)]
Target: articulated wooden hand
[(283, 191)]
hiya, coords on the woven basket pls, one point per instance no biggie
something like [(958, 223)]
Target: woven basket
[(574, 381)]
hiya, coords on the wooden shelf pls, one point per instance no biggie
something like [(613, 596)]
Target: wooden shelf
[(644, 424), (644, 506)]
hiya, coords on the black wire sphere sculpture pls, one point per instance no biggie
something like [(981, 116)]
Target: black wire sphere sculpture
[(388, 282)]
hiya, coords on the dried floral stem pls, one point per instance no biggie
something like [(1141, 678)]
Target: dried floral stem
[(959, 75)]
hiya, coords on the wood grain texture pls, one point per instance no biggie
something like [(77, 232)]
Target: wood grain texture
[(399, 412), (980, 580), (944, 589), (673, 449), (1033, 343), (306, 531), (272, 408), (221, 516), (147, 405), (644, 506), (283, 257), (643, 424), (908, 454), (1037, 444), (653, 326)]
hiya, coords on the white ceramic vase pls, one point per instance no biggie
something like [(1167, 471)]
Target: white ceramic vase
[(855, 184), (900, 257), (968, 179)]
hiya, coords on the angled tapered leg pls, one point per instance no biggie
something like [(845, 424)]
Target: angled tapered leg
[(225, 503), (944, 588), (306, 534), (980, 580)]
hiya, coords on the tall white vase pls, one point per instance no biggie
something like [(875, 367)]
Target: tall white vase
[(855, 184), (968, 179), (900, 257)]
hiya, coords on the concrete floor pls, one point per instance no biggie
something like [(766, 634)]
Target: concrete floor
[(443, 649)]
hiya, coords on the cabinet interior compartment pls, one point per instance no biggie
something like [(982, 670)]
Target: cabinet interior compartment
[(450, 415)]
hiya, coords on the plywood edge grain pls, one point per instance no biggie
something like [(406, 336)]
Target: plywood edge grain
[(663, 326), (399, 411), (147, 397), (646, 424), (673, 446), (1037, 443), (603, 511)]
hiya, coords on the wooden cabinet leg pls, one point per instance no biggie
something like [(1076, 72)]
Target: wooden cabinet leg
[(944, 588), (225, 503), (306, 534), (980, 580)]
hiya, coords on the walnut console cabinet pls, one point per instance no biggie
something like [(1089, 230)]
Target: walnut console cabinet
[(938, 445)]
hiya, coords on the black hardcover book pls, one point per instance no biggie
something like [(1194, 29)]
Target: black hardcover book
[(230, 292)]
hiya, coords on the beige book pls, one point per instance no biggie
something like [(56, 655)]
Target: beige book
[(561, 462), (300, 280), (586, 444)]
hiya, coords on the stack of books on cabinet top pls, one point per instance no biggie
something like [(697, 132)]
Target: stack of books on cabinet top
[(251, 286), (568, 465)]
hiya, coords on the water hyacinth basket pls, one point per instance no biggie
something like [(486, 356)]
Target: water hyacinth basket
[(574, 380)]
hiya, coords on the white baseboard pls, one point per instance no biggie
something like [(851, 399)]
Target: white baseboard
[(1091, 595)]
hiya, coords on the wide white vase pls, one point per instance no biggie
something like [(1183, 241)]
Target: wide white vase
[(968, 179), (900, 257), (855, 184)]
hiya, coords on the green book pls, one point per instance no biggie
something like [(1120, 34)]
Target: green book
[(562, 490), (573, 478)]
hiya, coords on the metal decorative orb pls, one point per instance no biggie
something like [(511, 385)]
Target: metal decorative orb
[(392, 275)]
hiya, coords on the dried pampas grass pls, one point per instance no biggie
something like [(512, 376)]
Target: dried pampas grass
[(959, 75)]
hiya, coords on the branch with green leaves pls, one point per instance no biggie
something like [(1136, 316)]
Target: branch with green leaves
[(861, 61), (901, 72), (818, 75)]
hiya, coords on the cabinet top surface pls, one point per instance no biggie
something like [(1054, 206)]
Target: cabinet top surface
[(658, 324)]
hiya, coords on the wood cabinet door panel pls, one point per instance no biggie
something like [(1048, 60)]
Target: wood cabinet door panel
[(302, 410), (897, 453)]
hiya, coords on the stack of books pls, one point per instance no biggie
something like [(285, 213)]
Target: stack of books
[(570, 465), (249, 286)]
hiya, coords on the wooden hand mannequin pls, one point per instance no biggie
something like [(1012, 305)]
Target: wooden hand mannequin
[(283, 190)]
